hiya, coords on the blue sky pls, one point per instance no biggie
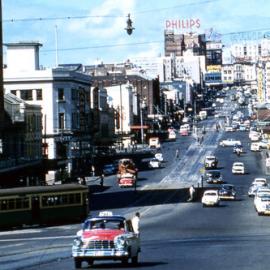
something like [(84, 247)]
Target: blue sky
[(100, 34)]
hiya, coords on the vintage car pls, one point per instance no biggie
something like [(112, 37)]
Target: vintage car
[(227, 191), (262, 205), (154, 163), (106, 237), (238, 168), (210, 162), (210, 198), (213, 177), (229, 142)]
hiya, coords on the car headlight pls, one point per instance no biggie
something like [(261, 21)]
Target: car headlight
[(77, 242), (120, 242)]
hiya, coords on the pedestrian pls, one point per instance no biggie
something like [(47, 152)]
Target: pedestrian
[(177, 154), (102, 180), (93, 170), (135, 221), (191, 193)]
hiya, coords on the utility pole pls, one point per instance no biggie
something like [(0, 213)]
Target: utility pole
[(1, 75), (2, 109), (141, 116)]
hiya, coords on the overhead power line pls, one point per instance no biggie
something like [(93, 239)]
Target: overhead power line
[(145, 43), (12, 20)]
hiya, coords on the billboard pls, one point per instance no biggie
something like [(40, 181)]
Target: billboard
[(183, 25), (213, 68)]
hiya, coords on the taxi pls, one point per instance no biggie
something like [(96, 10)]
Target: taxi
[(106, 237)]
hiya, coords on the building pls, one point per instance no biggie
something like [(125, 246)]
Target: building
[(63, 94), (178, 43)]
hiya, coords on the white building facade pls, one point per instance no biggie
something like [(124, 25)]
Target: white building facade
[(64, 96)]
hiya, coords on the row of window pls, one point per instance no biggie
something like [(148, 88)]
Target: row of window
[(46, 201), (36, 94), (12, 204), (62, 199), (27, 94)]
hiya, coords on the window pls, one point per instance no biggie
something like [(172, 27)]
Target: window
[(13, 92), (74, 94), (61, 120), (39, 94), (26, 94), (61, 95)]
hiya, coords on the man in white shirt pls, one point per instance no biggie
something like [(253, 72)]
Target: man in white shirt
[(136, 223)]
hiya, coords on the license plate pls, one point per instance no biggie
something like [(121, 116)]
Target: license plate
[(99, 253)]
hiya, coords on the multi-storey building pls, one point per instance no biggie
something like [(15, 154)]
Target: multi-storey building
[(178, 43), (63, 94)]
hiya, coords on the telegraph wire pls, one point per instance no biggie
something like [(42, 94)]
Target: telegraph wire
[(12, 20)]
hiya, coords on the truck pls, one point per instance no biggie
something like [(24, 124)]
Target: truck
[(127, 173), (154, 142), (203, 115)]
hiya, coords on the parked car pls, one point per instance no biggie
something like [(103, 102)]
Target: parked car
[(213, 177), (238, 168), (227, 191), (229, 142), (210, 198)]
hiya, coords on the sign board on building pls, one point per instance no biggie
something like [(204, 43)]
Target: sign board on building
[(214, 45), (213, 68), (183, 24)]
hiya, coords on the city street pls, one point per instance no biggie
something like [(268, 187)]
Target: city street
[(174, 233)]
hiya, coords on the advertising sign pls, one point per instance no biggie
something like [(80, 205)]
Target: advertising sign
[(214, 68), (183, 24)]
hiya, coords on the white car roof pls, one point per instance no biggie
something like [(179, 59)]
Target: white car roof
[(210, 192), (238, 164)]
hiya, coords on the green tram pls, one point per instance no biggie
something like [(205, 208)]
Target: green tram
[(43, 205)]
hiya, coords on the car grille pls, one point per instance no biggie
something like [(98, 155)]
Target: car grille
[(100, 244)]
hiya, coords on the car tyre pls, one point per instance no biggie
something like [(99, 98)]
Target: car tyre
[(90, 262), (134, 260), (124, 261), (77, 263)]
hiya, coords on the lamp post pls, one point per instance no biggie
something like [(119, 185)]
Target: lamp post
[(142, 133)]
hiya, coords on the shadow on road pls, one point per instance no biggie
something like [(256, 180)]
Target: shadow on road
[(130, 197), (116, 265)]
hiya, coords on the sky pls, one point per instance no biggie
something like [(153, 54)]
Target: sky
[(93, 31)]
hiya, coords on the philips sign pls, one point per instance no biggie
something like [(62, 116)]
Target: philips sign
[(183, 24)]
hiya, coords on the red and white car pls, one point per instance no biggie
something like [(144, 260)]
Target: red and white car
[(106, 237)]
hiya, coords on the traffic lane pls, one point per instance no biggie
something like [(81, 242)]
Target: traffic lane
[(148, 175), (253, 162), (189, 254)]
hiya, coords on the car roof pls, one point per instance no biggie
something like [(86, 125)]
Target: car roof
[(238, 163), (210, 191)]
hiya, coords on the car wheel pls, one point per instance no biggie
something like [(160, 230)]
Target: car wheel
[(77, 263), (134, 260), (124, 261), (90, 262)]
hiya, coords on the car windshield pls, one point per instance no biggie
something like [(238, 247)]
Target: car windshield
[(213, 174), (111, 224)]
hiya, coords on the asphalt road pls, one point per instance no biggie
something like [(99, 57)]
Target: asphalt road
[(174, 234)]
